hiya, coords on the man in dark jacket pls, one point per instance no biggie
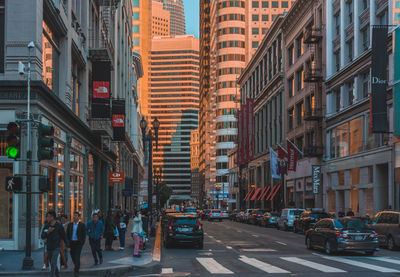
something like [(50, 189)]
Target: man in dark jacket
[(95, 231), (53, 232), (76, 234)]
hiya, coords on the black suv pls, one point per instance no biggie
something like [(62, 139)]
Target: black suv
[(307, 220), (183, 229)]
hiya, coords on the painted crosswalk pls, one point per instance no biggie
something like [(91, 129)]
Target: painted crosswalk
[(292, 265)]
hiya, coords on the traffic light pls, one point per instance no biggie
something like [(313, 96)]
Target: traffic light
[(13, 140), (13, 184), (45, 142)]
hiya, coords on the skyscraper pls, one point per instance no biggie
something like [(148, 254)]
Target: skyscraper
[(161, 20), (176, 9), (232, 31), (174, 100)]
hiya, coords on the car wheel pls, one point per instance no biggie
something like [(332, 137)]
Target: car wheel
[(328, 248), (369, 253), (309, 243), (390, 243)]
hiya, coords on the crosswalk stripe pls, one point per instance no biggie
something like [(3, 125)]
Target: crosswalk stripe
[(262, 265), (167, 270), (213, 266), (317, 266), (361, 264), (386, 260)]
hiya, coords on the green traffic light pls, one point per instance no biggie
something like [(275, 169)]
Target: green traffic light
[(12, 152)]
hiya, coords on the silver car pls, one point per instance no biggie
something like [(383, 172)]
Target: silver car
[(386, 224), (286, 220)]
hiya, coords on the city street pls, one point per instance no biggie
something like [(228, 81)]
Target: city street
[(238, 249)]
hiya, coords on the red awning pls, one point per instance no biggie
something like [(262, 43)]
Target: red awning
[(264, 192), (248, 194), (276, 190), (270, 193), (255, 194)]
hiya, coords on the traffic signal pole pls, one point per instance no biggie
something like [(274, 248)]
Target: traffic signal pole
[(27, 263)]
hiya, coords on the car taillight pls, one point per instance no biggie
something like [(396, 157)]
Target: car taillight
[(342, 235), (199, 226), (210, 213), (373, 235), (222, 214), (203, 213), (170, 227)]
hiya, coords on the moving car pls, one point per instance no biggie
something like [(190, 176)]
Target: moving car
[(254, 217), (308, 219), (286, 220), (386, 224), (345, 234), (269, 220), (224, 214), (215, 215), (183, 229)]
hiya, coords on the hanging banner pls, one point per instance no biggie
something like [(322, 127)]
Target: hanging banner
[(250, 103), (378, 107), (245, 129), (101, 84), (396, 81), (240, 139), (115, 177), (292, 156), (274, 164), (316, 178), (118, 119), (101, 89)]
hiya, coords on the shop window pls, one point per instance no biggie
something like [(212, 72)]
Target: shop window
[(355, 176), (6, 204), (341, 177), (50, 57), (356, 135)]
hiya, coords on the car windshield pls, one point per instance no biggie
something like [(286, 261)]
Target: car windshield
[(295, 212), (186, 221), (319, 215), (353, 224)]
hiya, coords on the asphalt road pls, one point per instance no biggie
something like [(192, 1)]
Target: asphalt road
[(236, 249)]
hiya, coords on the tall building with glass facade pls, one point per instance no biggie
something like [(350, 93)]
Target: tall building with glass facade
[(175, 7)]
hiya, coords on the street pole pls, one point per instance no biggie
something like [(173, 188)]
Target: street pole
[(150, 174), (27, 263)]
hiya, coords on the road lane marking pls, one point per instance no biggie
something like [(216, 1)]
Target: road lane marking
[(361, 264), (281, 242), (258, 250), (386, 260), (218, 241), (317, 266), (229, 247), (213, 266), (256, 236), (262, 265), (239, 231), (167, 270)]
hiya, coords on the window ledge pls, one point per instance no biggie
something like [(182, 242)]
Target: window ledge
[(361, 153)]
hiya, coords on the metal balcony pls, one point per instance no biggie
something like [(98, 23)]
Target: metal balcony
[(313, 114), (101, 127), (312, 35), (313, 151), (312, 74)]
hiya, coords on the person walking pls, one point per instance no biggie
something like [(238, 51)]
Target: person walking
[(44, 242), (64, 252), (53, 232), (109, 230), (95, 231), (76, 234), (137, 230), (121, 230)]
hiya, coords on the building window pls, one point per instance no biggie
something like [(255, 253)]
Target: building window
[(299, 113), (365, 85), (2, 42), (365, 38), (350, 50), (285, 4), (264, 31), (50, 57), (299, 46), (350, 10), (290, 118), (299, 143), (299, 77), (338, 100), (337, 60), (255, 4), (135, 41), (365, 4), (254, 44), (337, 24), (135, 29), (274, 16), (135, 15), (255, 17), (290, 55), (274, 4), (135, 3), (290, 86), (383, 18), (264, 4), (254, 31), (351, 93), (6, 200), (265, 17)]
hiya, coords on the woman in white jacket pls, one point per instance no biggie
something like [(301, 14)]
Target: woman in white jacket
[(136, 231)]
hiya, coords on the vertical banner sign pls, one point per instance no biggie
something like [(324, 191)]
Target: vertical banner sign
[(240, 134), (378, 108), (292, 156), (118, 119), (316, 178), (396, 86), (245, 132), (101, 83), (251, 128), (274, 164)]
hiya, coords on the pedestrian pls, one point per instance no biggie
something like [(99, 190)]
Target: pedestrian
[(121, 230), (53, 232), (137, 230), (95, 231), (109, 230), (350, 213), (126, 217), (76, 234), (44, 242), (96, 211), (64, 253)]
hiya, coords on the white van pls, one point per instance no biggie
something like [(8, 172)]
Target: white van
[(286, 220)]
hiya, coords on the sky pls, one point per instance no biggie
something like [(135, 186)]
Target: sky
[(192, 17)]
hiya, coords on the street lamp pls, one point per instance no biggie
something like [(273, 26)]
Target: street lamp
[(157, 179), (149, 139)]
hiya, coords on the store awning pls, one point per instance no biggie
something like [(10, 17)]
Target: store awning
[(255, 194), (248, 194), (263, 193), (276, 190)]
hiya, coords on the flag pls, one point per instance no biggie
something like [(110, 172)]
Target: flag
[(282, 153), (274, 164), (292, 156)]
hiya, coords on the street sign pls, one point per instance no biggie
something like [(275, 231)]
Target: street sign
[(127, 192), (115, 177), (316, 178)]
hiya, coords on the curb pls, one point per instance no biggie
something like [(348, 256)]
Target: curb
[(157, 245)]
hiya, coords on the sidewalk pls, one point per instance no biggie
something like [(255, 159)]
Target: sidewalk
[(114, 262)]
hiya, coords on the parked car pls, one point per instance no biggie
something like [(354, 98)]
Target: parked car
[(287, 217), (204, 214), (215, 215), (233, 214), (386, 224), (184, 229), (269, 219), (224, 214), (240, 216), (191, 211), (246, 215), (307, 219), (347, 233), (254, 217)]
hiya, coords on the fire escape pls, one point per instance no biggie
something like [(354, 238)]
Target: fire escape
[(313, 106)]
